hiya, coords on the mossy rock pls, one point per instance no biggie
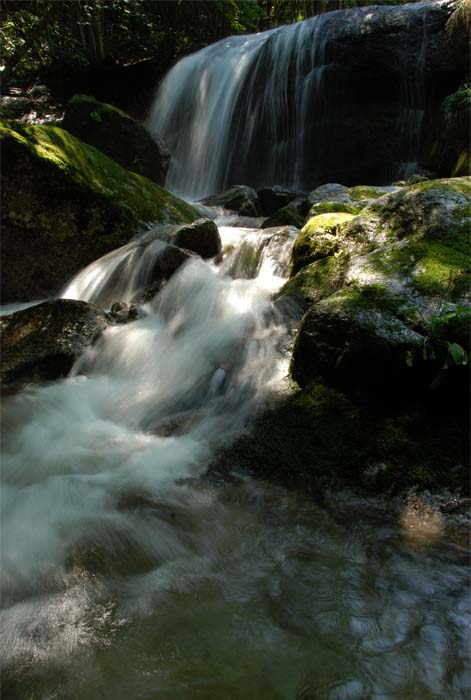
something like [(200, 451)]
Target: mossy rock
[(290, 215), (319, 238), (358, 345), (118, 135), (320, 439), (333, 208), (315, 281), (44, 341), (65, 204), (338, 198)]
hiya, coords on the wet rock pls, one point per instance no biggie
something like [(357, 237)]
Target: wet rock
[(121, 312), (241, 199), (200, 237), (169, 260), (44, 341), (290, 215), (64, 205), (274, 198), (319, 238), (333, 197), (359, 348), (118, 135), (392, 292)]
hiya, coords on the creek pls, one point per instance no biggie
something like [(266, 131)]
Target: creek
[(129, 572)]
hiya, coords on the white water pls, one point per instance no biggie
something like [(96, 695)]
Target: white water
[(258, 109), (198, 365), (125, 575)]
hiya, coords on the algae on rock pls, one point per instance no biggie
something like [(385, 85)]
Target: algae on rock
[(65, 204)]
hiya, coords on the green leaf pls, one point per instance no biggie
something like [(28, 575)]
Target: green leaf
[(457, 353)]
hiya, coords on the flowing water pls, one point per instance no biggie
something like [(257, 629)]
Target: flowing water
[(127, 574), (273, 99)]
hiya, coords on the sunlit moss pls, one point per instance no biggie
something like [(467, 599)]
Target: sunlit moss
[(318, 239)]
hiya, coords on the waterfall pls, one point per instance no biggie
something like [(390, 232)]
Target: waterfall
[(289, 106)]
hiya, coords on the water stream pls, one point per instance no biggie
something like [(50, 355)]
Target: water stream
[(266, 109), (127, 574)]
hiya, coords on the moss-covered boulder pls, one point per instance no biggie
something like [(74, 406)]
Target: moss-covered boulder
[(290, 215), (352, 343), (65, 204), (200, 237), (319, 238), (43, 342), (241, 199), (393, 297), (319, 440), (338, 198), (118, 135)]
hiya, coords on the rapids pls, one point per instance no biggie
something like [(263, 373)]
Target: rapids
[(126, 573)]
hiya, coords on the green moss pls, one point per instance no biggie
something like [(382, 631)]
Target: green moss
[(316, 281), (461, 185), (433, 267), (333, 207), (318, 239), (99, 107), (321, 438), (326, 223), (65, 204), (362, 192), (91, 169), (286, 216)]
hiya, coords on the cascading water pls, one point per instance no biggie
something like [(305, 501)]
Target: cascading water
[(125, 575), (268, 109)]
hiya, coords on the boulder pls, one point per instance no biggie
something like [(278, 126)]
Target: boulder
[(274, 198), (356, 346), (200, 237), (65, 204), (319, 238), (43, 342), (290, 215), (338, 198), (392, 295), (241, 199), (118, 135), (168, 261)]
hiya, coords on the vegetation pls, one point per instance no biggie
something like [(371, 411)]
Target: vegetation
[(84, 33)]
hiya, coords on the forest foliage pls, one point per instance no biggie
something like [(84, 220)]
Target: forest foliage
[(37, 33)]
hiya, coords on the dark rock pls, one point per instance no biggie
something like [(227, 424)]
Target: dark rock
[(44, 341), (361, 350), (273, 198), (66, 204), (118, 135), (241, 199), (200, 237), (392, 288), (121, 312), (290, 215), (169, 260)]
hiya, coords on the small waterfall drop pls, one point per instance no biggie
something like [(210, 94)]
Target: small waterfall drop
[(268, 109)]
